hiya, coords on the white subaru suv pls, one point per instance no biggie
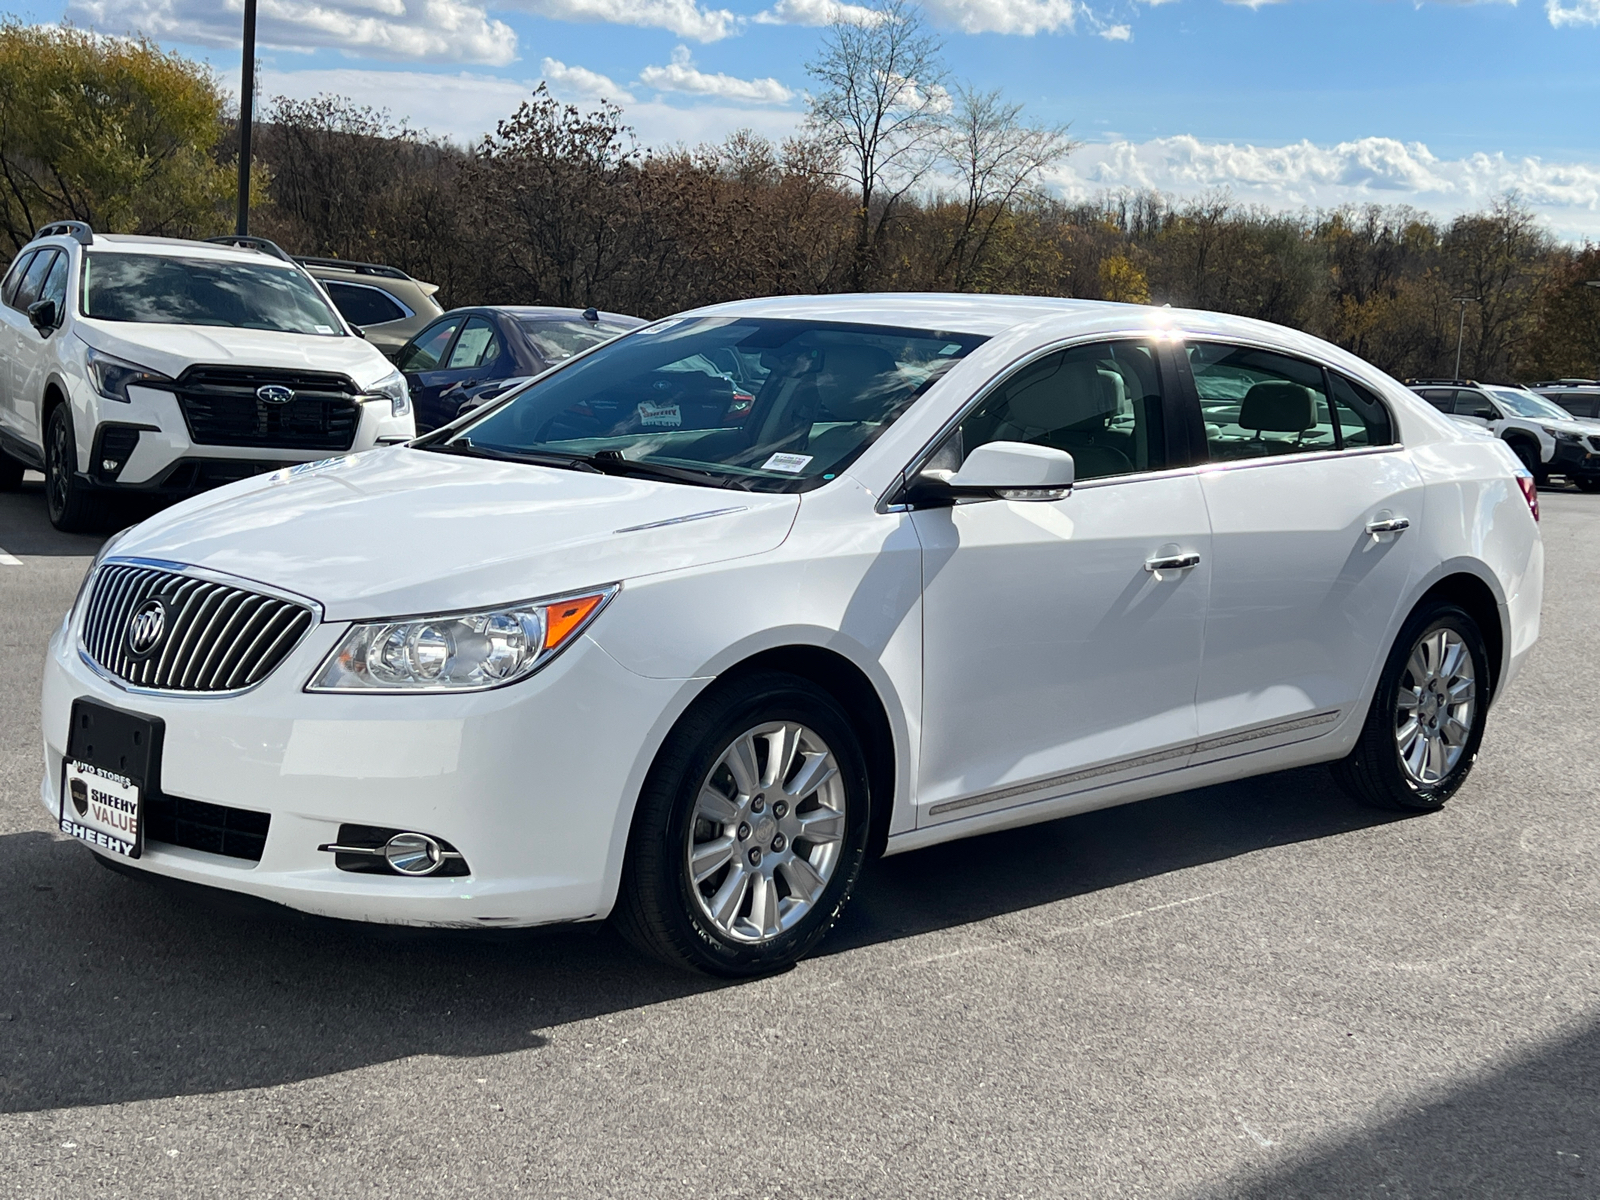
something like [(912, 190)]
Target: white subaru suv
[(165, 367), (643, 639)]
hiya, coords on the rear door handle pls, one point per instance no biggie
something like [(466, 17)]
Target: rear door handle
[(1172, 562), (1389, 525)]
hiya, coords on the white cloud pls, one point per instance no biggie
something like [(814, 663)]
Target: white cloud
[(683, 17), (1367, 170), (580, 83), (418, 30), (1025, 17), (681, 75), (1580, 12), (818, 12), (1117, 33), (465, 106)]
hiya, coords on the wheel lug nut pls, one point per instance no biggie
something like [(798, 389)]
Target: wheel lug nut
[(778, 842), (755, 858), (780, 809), (744, 831), (758, 804)]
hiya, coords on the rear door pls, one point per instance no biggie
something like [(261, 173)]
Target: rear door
[(1306, 492)]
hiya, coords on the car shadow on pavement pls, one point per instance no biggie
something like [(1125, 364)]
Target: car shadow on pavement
[(118, 989), (1531, 1128), (25, 525)]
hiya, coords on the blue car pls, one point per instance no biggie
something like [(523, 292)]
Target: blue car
[(471, 353)]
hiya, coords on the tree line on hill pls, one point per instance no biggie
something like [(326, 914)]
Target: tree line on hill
[(900, 179)]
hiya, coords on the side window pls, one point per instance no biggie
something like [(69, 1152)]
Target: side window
[(477, 346), (1475, 404), (427, 348), (1101, 403), (1363, 419), (1444, 399), (1258, 403), (55, 286), (28, 290), (14, 276), (362, 305)]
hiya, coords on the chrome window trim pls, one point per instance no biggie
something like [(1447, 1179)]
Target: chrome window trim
[(209, 576)]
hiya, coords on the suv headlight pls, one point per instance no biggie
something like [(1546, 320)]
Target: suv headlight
[(1560, 435), (111, 376), (393, 385), (457, 652)]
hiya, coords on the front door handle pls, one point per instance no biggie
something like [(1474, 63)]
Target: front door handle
[(1388, 525), (1172, 562)]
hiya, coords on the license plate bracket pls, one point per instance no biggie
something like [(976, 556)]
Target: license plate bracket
[(111, 769)]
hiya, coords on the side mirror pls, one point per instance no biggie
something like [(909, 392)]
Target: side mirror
[(999, 471), (42, 315), (359, 332)]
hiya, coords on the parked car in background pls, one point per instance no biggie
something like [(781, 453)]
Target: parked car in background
[(385, 303), (1546, 437), (470, 353), (965, 563), (163, 367), (1580, 397)]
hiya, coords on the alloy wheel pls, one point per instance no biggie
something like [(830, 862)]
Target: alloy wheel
[(766, 832), (58, 478), (1435, 706)]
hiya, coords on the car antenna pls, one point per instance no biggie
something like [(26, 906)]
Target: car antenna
[(591, 313)]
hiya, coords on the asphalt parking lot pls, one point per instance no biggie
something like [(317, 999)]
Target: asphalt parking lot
[(1257, 990)]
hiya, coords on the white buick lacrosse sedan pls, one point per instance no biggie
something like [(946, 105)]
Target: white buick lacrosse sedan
[(684, 629)]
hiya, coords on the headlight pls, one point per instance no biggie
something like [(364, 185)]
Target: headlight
[(457, 652), (393, 385), (1560, 435), (112, 376)]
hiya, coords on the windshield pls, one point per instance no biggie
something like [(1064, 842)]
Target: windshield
[(759, 403), (155, 289), (559, 339), (1526, 404)]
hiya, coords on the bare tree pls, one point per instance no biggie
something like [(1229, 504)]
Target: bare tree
[(880, 108), (999, 159)]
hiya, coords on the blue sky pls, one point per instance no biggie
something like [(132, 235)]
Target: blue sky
[(1289, 104)]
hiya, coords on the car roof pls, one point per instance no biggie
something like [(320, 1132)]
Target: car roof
[(550, 312)]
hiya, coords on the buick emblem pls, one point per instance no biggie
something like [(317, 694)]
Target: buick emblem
[(147, 627), (275, 393)]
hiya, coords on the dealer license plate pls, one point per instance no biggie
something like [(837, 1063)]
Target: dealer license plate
[(112, 763)]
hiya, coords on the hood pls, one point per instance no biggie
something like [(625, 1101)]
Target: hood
[(397, 532), (171, 348)]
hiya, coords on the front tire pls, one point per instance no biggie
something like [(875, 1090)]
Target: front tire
[(750, 832), (1589, 483), (72, 507), (1528, 455), (1422, 733)]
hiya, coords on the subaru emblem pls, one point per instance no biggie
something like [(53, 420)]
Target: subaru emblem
[(146, 627), (275, 393)]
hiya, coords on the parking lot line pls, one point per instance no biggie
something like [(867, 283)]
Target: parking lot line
[(9, 560)]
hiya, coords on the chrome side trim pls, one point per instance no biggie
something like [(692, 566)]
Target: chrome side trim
[(699, 516), (1143, 760), (1239, 464)]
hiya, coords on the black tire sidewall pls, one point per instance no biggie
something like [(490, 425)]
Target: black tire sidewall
[(1526, 455), (657, 850), (67, 514), (1379, 735)]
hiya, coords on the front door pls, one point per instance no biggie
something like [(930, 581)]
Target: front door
[(1056, 659), (1310, 498), (423, 360)]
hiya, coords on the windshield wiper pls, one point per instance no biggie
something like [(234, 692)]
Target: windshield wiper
[(466, 448), (613, 462)]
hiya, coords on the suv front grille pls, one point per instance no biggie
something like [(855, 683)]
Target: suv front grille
[(212, 637), (221, 408)]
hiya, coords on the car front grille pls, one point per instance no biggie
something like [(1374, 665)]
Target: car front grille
[(214, 828), (211, 637), (222, 407)]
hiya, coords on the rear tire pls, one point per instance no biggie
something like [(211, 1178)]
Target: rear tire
[(72, 507), (1426, 722), (10, 473), (750, 832)]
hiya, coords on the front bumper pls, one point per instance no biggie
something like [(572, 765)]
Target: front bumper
[(532, 783), (1577, 460)]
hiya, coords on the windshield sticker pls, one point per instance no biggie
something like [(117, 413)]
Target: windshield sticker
[(668, 415), (791, 464), (323, 328)]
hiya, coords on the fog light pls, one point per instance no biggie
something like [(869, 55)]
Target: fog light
[(413, 854)]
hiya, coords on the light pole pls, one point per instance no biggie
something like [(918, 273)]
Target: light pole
[(1461, 327), (247, 112)]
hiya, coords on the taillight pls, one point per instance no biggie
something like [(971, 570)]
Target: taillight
[(1530, 492)]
